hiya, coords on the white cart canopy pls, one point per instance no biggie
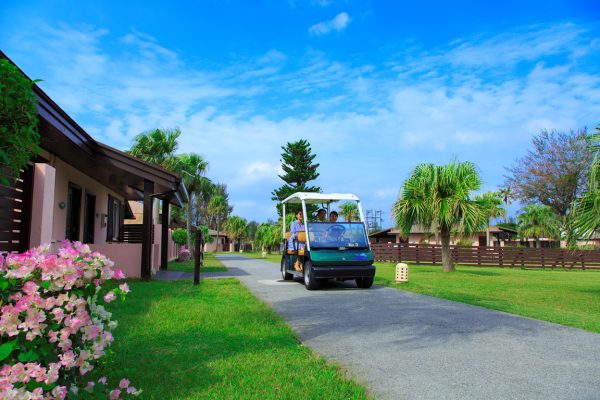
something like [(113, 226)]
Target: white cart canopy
[(319, 198)]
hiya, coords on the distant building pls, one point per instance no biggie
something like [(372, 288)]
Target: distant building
[(499, 236)]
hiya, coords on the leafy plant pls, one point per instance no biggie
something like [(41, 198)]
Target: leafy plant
[(19, 139), (586, 209), (438, 197), (539, 221), (236, 228), (464, 243), (179, 236), (553, 173), (349, 211)]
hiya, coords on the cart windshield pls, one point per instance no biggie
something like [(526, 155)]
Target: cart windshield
[(336, 235)]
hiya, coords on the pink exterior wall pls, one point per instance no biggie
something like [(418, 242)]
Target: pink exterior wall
[(210, 246), (126, 256), (49, 222), (171, 248), (42, 216), (66, 174)]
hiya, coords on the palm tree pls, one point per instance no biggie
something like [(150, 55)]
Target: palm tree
[(191, 167), (538, 221), (586, 210), (349, 211), (218, 208), (506, 195), (157, 147), (236, 228), (439, 196), (490, 203)]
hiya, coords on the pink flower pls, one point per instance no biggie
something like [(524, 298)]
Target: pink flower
[(115, 394), (124, 383), (102, 380), (59, 392), (89, 387), (30, 287), (124, 288), (110, 296), (119, 274), (132, 390), (67, 359)]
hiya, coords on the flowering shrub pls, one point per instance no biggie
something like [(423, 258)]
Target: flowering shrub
[(184, 255), (53, 326)]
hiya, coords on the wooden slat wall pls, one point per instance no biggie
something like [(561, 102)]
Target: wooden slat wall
[(489, 256), (15, 211), (132, 233)]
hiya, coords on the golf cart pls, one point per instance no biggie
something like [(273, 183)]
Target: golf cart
[(327, 250)]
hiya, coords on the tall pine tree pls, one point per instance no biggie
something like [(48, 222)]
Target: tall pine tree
[(297, 162)]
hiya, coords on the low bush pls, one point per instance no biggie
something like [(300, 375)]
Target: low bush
[(464, 243), (184, 255), (54, 328), (179, 236)]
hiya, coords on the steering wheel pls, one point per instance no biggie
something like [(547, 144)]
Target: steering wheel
[(336, 231)]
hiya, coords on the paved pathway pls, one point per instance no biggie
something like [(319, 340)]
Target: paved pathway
[(403, 345)]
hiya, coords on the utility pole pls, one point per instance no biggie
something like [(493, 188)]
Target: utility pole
[(374, 219)]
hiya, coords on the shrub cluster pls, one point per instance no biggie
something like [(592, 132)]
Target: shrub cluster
[(179, 236), (53, 325), (184, 255)]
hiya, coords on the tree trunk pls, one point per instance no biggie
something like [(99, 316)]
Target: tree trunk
[(189, 225), (538, 243), (487, 235), (218, 239), (447, 264)]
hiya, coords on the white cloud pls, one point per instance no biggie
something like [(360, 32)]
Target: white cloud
[(368, 124), (338, 23)]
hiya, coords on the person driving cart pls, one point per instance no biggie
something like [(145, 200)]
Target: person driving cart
[(297, 226)]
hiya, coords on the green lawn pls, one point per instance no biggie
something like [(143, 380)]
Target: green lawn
[(565, 297), (273, 257), (214, 341), (211, 264)]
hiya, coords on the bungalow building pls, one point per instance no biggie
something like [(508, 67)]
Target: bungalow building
[(499, 236), (222, 241), (78, 189)]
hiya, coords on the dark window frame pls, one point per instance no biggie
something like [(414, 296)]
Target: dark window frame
[(115, 215), (73, 219), (89, 234)]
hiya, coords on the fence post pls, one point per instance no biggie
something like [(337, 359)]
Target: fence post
[(542, 256), (417, 253), (197, 256), (501, 256)]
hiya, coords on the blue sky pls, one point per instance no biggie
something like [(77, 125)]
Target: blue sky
[(375, 86)]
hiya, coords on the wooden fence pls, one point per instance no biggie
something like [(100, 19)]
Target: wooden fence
[(133, 233), (489, 256)]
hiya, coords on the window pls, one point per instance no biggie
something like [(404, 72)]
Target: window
[(73, 212), (113, 222), (335, 235)]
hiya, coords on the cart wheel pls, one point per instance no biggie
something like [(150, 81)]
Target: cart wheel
[(364, 283), (309, 280), (284, 274)]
